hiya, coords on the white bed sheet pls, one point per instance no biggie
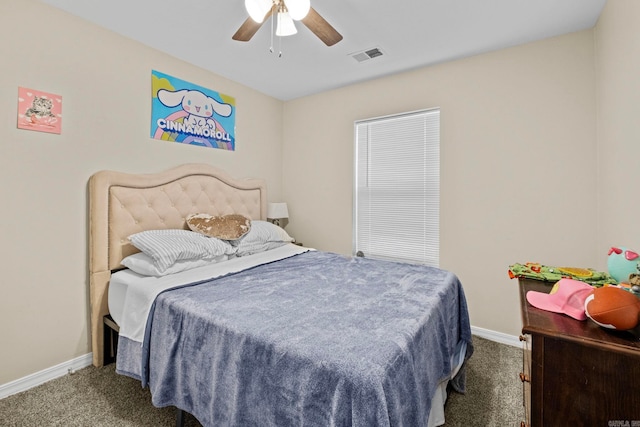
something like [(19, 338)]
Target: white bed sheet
[(436, 415), (131, 295)]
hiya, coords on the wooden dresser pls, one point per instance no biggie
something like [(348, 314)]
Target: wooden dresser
[(576, 373)]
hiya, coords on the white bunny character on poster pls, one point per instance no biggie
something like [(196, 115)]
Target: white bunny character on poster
[(199, 107)]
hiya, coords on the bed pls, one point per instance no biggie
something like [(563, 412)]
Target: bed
[(277, 337)]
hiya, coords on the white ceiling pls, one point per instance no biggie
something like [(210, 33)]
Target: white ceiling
[(410, 33)]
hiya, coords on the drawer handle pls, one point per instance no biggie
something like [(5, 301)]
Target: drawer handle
[(522, 338), (524, 377)]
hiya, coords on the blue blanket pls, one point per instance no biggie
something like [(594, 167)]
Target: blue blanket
[(317, 339)]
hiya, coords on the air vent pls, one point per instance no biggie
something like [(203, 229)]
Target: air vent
[(365, 55)]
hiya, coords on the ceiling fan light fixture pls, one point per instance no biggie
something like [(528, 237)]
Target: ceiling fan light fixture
[(285, 27), (258, 9), (298, 9), (278, 11)]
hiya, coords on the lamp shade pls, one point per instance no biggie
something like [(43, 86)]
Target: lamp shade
[(277, 211), (298, 9), (285, 27), (258, 9)]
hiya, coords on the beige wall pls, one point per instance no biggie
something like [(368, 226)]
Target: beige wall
[(518, 161), (618, 83), (105, 81), (524, 177)]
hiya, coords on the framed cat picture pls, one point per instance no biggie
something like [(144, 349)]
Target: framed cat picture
[(39, 111)]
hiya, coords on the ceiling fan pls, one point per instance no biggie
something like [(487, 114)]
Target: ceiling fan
[(286, 11)]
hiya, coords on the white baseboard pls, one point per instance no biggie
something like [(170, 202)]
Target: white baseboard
[(64, 368), (496, 336)]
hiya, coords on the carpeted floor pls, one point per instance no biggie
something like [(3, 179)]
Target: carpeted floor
[(99, 397), (494, 389)]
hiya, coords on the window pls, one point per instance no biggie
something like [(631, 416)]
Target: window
[(397, 187)]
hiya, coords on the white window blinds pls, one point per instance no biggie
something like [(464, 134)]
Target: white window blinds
[(397, 187)]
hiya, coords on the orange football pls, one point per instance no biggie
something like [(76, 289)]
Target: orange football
[(613, 308)]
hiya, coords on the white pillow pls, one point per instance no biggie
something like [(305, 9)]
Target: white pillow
[(166, 247), (143, 264), (263, 236)]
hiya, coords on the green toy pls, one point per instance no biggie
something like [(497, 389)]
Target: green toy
[(532, 270)]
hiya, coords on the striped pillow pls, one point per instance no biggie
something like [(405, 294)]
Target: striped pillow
[(263, 236), (166, 247)]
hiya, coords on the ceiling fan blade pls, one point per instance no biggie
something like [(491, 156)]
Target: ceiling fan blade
[(249, 28), (321, 28)]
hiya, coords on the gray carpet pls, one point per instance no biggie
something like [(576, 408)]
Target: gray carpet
[(99, 397)]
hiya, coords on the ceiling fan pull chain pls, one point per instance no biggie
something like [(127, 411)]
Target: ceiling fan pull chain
[(279, 47)]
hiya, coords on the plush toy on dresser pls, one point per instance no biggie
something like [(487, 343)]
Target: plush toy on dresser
[(613, 308), (621, 263), (617, 307), (634, 281)]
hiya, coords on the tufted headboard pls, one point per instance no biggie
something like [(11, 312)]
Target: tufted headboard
[(121, 204)]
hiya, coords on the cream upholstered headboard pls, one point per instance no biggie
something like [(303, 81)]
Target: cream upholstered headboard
[(121, 204)]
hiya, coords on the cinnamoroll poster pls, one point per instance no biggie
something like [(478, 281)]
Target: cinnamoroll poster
[(190, 114)]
